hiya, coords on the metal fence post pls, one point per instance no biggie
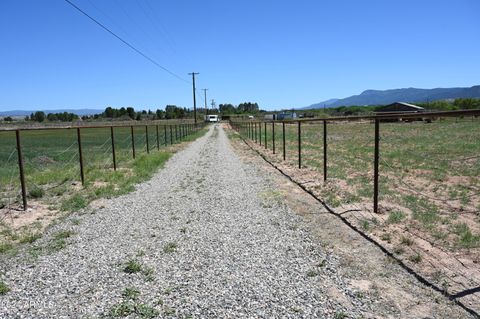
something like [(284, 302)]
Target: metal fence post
[(266, 147), (260, 132), (165, 134), (158, 140), (283, 138), (255, 129), (273, 137), (146, 139), (20, 169), (80, 155), (113, 149), (299, 144), (133, 141), (325, 150), (171, 135), (376, 162)]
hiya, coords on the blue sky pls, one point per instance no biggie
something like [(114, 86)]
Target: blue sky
[(277, 53)]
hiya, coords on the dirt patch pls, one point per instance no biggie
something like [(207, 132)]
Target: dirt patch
[(37, 213)]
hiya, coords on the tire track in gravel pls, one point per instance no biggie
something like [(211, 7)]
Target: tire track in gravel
[(211, 237)]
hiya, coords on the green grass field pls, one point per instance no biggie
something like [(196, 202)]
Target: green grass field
[(51, 157), (429, 172), (52, 170)]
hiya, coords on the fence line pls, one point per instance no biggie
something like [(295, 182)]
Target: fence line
[(181, 131), (248, 128)]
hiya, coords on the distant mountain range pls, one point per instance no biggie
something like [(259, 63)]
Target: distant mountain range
[(378, 97), (79, 112)]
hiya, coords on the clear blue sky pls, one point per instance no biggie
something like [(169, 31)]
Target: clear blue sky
[(276, 53)]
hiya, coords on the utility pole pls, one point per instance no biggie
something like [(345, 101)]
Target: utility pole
[(205, 95), (194, 98)]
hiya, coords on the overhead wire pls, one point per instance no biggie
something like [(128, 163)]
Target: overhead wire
[(126, 42)]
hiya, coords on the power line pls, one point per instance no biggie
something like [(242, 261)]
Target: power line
[(125, 42)]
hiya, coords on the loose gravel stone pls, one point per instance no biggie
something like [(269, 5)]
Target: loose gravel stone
[(211, 239)]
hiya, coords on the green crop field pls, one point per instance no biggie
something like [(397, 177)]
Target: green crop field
[(429, 173), (51, 157)]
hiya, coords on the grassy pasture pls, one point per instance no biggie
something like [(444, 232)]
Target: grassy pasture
[(52, 170), (429, 173)]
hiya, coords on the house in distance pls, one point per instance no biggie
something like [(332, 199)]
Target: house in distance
[(398, 108)]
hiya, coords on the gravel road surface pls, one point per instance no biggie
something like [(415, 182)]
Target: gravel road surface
[(206, 237)]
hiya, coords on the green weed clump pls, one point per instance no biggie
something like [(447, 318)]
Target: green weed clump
[(36, 192), (396, 217), (74, 203), (132, 267), (3, 288), (466, 239)]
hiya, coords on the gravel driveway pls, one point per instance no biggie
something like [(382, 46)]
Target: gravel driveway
[(206, 237)]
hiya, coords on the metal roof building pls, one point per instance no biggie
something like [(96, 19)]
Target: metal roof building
[(399, 107)]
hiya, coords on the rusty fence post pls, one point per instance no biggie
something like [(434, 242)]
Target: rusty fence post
[(146, 139), (299, 144), (80, 155), (283, 140), (260, 132), (21, 170), (325, 150), (266, 147), (165, 134), (273, 137), (158, 140), (133, 141), (376, 163), (112, 137)]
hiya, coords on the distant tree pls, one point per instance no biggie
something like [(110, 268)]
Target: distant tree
[(39, 116), (160, 114), (109, 112), (8, 119), (131, 112), (467, 103), (139, 116)]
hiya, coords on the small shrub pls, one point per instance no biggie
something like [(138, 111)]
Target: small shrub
[(4, 247), (130, 293), (466, 238), (312, 273), (340, 315), (63, 234), (406, 241), (146, 311), (365, 225), (396, 217), (170, 248), (36, 192), (133, 266), (122, 309), (30, 238), (386, 237), (74, 203), (415, 258), (3, 288)]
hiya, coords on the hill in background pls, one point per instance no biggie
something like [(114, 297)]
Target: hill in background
[(378, 97)]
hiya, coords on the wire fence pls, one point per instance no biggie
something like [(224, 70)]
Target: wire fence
[(45, 159), (412, 182)]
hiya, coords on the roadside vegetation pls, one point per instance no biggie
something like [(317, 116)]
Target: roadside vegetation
[(52, 174)]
